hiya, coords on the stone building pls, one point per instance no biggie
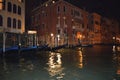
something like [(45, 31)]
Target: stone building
[(59, 22), (12, 19)]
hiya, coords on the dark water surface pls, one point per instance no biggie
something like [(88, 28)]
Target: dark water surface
[(96, 63)]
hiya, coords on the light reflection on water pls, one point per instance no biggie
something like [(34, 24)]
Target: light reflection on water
[(116, 58), (97, 63), (55, 65), (80, 59)]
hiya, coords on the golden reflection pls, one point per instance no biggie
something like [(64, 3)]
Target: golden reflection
[(118, 66), (114, 49), (118, 48), (55, 65), (80, 59)]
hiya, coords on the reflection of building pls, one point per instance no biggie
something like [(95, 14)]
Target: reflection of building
[(68, 23), (12, 17)]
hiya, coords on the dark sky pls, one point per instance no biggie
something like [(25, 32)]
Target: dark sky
[(106, 8)]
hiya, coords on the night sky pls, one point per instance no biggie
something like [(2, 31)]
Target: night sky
[(106, 8)]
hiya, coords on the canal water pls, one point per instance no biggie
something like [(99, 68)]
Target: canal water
[(88, 63)]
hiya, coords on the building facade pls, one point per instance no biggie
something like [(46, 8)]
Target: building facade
[(12, 17), (60, 22)]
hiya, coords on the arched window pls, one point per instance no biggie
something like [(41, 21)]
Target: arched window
[(19, 10), (1, 20), (14, 8), (8, 22), (19, 24), (14, 23), (9, 7)]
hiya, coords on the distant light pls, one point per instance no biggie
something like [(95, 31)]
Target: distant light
[(113, 37), (58, 36), (46, 5), (32, 32), (51, 34), (53, 1)]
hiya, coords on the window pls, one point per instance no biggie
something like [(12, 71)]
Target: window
[(82, 25), (72, 12), (58, 9), (97, 23), (19, 10), (1, 21), (58, 31), (19, 24), (14, 8), (2, 4), (76, 13), (64, 9), (14, 23), (9, 22), (9, 7)]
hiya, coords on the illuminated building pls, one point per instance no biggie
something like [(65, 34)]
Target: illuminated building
[(12, 16), (61, 19), (68, 24), (109, 30), (95, 28)]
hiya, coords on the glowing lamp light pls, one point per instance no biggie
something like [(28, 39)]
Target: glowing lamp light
[(53, 1), (58, 36), (113, 37), (52, 34)]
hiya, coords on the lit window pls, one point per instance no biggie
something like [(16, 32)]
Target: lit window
[(1, 20), (9, 22), (14, 23), (2, 4)]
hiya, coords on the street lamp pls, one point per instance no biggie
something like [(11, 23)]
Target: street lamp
[(113, 39), (51, 34), (52, 39)]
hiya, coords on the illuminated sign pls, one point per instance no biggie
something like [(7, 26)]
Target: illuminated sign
[(32, 32)]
